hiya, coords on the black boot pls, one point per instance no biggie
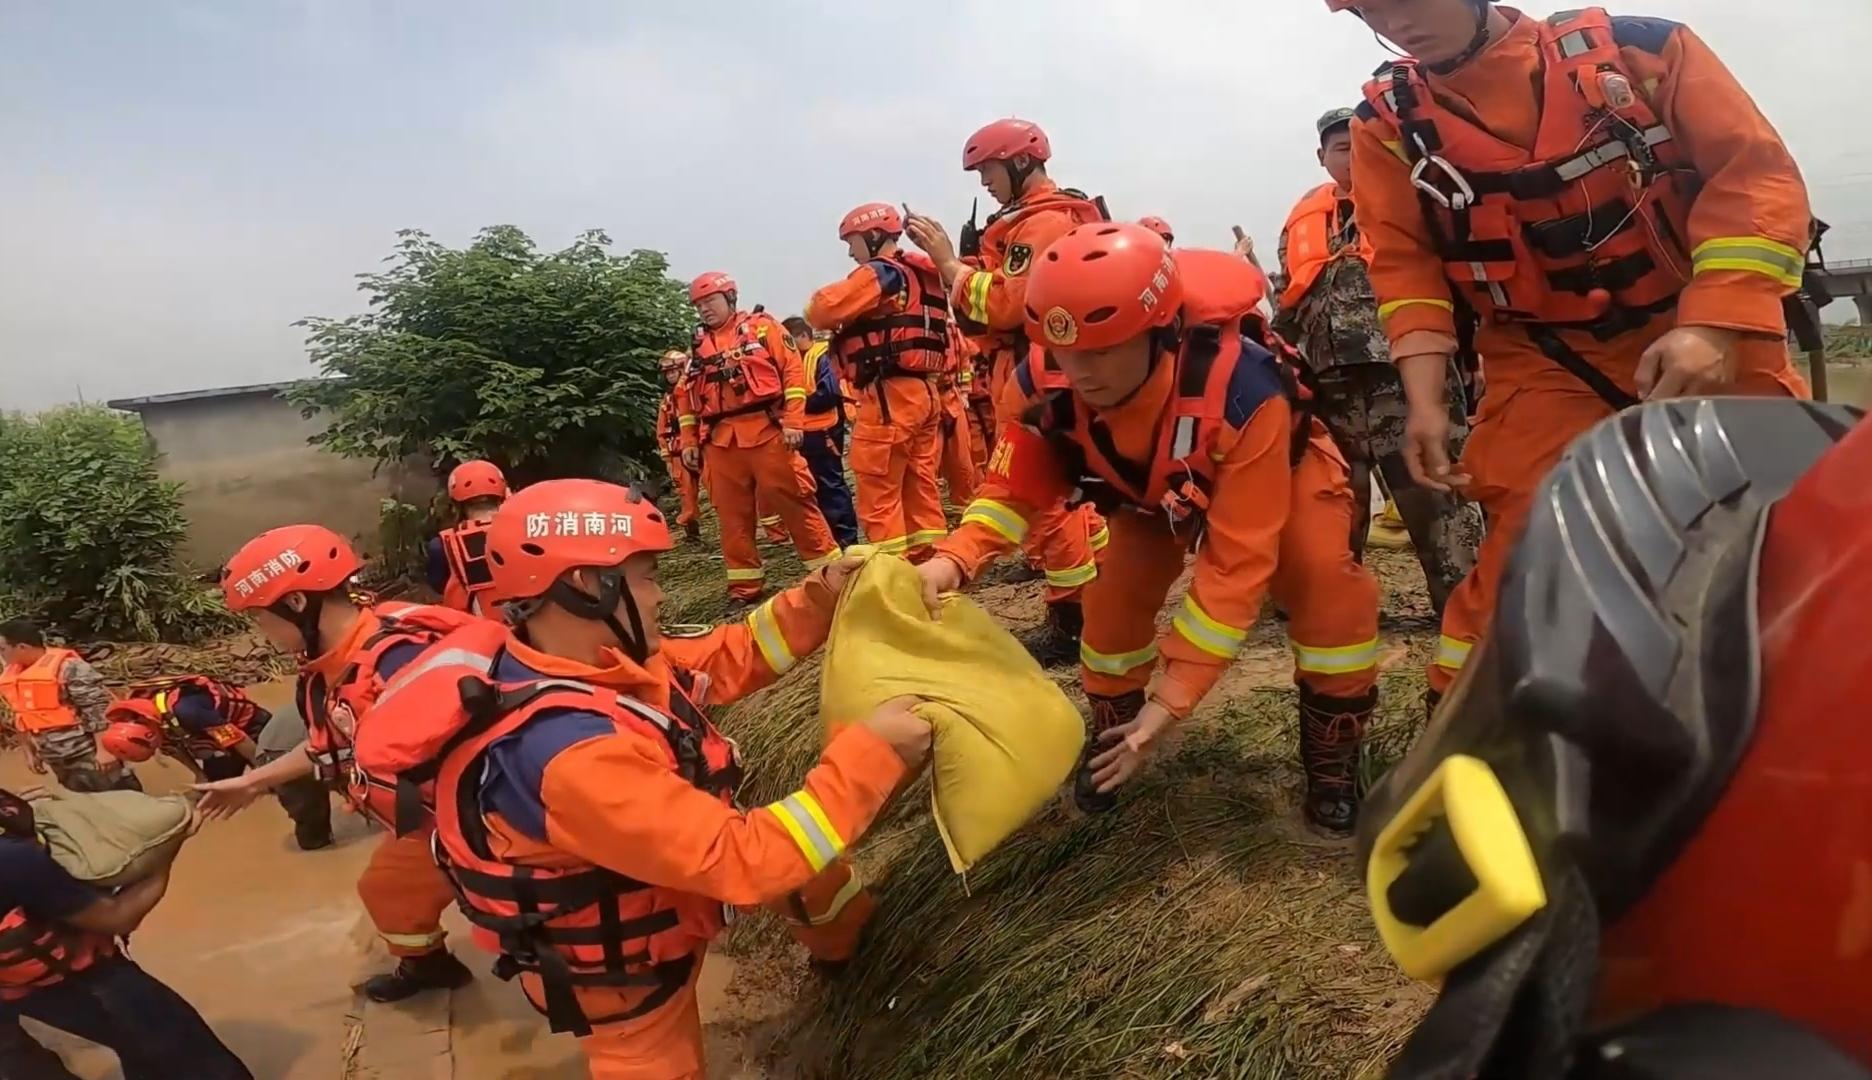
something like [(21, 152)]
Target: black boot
[(1057, 642), (1331, 729), (307, 801), (437, 970), (1431, 699), (1107, 713), (692, 532)]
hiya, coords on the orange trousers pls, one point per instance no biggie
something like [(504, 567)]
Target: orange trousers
[(896, 465), (1331, 601), (736, 476), (666, 1044), (1516, 441), (405, 894), (684, 482), (771, 526)]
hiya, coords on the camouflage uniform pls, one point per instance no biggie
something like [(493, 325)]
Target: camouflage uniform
[(72, 753), (1362, 403)]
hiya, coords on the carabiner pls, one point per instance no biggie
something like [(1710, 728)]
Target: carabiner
[(1465, 195)]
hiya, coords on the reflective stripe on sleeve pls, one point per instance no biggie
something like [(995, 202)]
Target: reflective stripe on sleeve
[(997, 516), (927, 536), (806, 822), (795, 393), (827, 559), (1100, 539), (977, 290), (1073, 576), (1386, 310), (1754, 254), (1207, 633), (772, 642)]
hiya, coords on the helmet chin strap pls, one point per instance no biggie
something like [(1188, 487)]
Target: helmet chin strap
[(874, 242), (1476, 44), (305, 620), (1018, 174), (603, 608)]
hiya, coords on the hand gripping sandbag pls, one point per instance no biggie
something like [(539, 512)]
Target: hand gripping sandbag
[(111, 838), (1006, 736)]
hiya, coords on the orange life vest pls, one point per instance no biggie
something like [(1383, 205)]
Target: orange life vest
[(1588, 230), (334, 708), (244, 717), (470, 573), (35, 955), (995, 245), (669, 426), (1309, 231), (570, 923), (908, 335), (1227, 363), (742, 378), (32, 692)]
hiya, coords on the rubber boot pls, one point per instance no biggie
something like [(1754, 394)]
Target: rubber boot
[(1056, 643), (1331, 729), (1107, 713), (437, 970), (308, 803)]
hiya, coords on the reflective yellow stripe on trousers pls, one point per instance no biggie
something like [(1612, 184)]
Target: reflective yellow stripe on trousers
[(1336, 660), (1116, 663), (1452, 653)]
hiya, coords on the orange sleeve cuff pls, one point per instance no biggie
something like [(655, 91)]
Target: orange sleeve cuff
[(1733, 300), (1409, 318), (1180, 685)]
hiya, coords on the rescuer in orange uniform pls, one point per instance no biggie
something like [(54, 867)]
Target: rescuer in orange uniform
[(890, 332), (979, 397), (669, 442), (962, 459), (606, 838), (987, 290), (1153, 380), (459, 552), (296, 583), (743, 401), (1601, 202), (1633, 844), (1160, 227)]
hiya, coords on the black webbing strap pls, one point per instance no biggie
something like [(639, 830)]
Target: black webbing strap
[(1548, 342)]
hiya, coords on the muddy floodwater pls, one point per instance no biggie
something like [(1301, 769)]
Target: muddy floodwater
[(269, 943)]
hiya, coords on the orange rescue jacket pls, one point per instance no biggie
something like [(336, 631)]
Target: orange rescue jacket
[(35, 955), (1309, 232), (737, 379), (244, 717), (34, 693)]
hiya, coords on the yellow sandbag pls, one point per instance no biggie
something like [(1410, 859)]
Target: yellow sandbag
[(111, 838), (1006, 736)]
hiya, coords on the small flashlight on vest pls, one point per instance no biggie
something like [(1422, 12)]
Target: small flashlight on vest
[(1616, 90)]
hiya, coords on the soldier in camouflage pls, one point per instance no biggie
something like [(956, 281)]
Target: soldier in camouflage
[(1328, 310), (69, 750)]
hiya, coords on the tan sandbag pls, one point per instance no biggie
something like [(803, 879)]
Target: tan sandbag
[(112, 838), (1006, 735)]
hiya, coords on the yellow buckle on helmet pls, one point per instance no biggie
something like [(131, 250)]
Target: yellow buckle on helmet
[(1465, 792)]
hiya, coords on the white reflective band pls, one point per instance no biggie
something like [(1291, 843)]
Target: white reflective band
[(644, 711), (927, 536), (1336, 660), (997, 516), (1573, 44), (737, 573), (770, 520), (1390, 100), (772, 642), (1452, 653), (1183, 438), (1606, 153), (1073, 576), (827, 559), (1115, 663), (977, 290), (806, 822), (1202, 630), (429, 662), (414, 941), (1754, 254), (1385, 310)]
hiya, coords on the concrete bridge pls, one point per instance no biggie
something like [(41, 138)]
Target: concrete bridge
[(1852, 278)]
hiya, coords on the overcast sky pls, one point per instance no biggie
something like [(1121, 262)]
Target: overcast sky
[(180, 181)]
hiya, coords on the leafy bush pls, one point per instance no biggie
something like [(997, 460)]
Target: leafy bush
[(89, 533), (545, 364)]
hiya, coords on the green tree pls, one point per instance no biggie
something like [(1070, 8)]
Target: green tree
[(543, 363), (89, 533)]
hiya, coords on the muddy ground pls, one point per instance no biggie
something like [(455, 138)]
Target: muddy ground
[(269, 942)]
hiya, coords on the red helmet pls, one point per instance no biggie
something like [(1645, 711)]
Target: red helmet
[(711, 283), (1004, 139), (1102, 284), (554, 526), (476, 480), (289, 559), (882, 217), (129, 741), (1159, 226), (1341, 5)]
